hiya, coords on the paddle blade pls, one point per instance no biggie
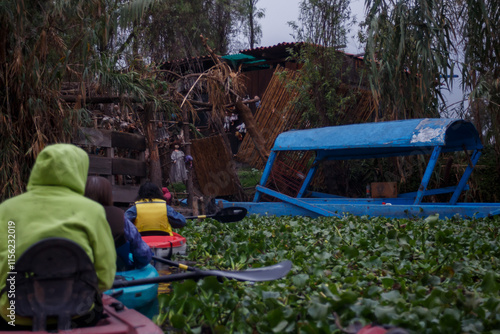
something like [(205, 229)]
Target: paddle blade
[(254, 275), (231, 214)]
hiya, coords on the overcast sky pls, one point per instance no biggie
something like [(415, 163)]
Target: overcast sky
[(275, 28)]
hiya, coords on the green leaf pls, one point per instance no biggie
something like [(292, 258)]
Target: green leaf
[(178, 321), (280, 327), (317, 310), (275, 317), (350, 251), (300, 280), (388, 282), (391, 296), (490, 284), (385, 314)]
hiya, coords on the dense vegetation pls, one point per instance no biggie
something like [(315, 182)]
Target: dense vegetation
[(425, 275), (103, 45)]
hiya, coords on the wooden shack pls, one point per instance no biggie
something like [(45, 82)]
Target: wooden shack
[(118, 156)]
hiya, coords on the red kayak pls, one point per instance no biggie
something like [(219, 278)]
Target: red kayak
[(55, 279), (119, 320), (161, 244)]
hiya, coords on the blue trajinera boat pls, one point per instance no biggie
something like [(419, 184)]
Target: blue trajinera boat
[(142, 298), (429, 137)]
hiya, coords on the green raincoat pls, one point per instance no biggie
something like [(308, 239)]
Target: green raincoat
[(54, 206)]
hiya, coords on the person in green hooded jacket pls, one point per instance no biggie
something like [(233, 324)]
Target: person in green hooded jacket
[(54, 206)]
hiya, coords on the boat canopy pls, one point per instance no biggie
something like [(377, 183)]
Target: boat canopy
[(384, 139), (287, 192)]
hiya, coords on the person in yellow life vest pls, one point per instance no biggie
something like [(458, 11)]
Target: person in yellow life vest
[(151, 214)]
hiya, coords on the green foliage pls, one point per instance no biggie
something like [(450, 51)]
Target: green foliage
[(408, 52), (323, 26), (481, 69), (486, 177), (427, 277), (44, 45), (322, 22), (249, 16), (319, 98), (177, 187), (249, 177), (171, 29)]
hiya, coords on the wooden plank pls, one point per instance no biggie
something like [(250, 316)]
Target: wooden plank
[(125, 194), (128, 140), (122, 166), (100, 165), (384, 189), (91, 136)]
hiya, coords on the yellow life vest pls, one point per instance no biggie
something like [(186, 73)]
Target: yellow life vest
[(152, 216)]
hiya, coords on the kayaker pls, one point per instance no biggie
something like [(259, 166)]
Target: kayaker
[(151, 214), (54, 206), (167, 195), (127, 238)]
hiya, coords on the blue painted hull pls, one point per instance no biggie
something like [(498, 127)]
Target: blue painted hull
[(369, 207), (143, 298)]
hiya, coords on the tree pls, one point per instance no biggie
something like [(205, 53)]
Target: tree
[(481, 68), (323, 27), (408, 53), (42, 45), (171, 28), (249, 16)]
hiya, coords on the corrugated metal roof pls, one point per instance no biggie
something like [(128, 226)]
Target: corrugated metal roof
[(280, 50), (274, 52)]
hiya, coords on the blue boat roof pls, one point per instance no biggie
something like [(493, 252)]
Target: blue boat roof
[(382, 139)]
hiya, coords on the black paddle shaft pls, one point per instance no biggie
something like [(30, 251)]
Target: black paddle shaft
[(226, 215), (174, 264), (253, 275)]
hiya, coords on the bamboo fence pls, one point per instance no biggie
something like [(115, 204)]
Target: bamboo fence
[(274, 116), (213, 166)]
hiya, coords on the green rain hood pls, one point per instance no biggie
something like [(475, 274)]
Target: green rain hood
[(54, 206)]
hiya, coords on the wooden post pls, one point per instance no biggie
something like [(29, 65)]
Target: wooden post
[(187, 151), (154, 156), (252, 129), (196, 210)]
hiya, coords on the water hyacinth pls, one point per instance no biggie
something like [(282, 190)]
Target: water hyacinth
[(434, 276)]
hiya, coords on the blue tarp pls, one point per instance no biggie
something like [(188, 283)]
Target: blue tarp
[(394, 138)]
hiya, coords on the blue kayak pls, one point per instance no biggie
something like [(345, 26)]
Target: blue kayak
[(142, 298)]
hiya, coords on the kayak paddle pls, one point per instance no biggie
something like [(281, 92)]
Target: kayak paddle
[(253, 275), (173, 263), (226, 215)]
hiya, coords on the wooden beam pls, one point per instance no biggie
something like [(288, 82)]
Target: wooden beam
[(122, 166), (91, 136), (128, 140), (125, 194), (100, 165)]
